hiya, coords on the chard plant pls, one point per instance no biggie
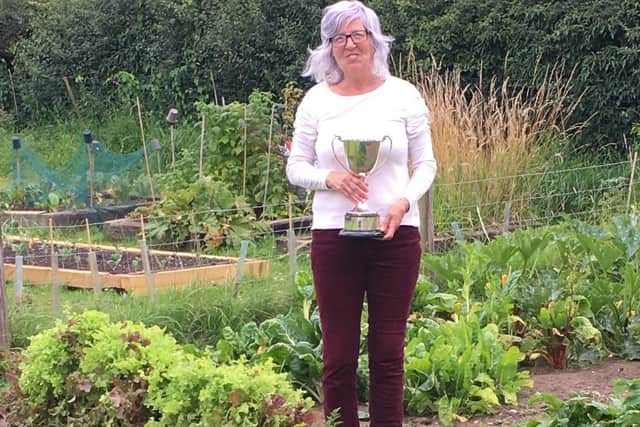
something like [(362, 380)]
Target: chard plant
[(559, 327), (458, 368), (623, 408), (66, 252)]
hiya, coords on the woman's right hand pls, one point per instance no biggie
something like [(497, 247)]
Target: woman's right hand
[(351, 185)]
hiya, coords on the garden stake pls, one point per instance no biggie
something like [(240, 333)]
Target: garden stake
[(484, 230), (13, 91), (240, 267), (427, 232), (244, 141), (172, 119), (71, 96), (173, 148), (457, 231), (16, 144), (51, 235), (213, 84), (266, 181), (55, 287), (144, 238), (633, 171), (426, 222), (158, 161), (86, 223), (55, 291), (507, 216), (91, 172), (93, 264), (148, 276), (194, 237), (5, 337), (19, 279), (144, 147), (201, 172), (291, 241)]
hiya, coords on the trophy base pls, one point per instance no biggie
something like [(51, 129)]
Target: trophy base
[(361, 224), (361, 234)]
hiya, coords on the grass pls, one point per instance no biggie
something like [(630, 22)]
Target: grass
[(194, 315), (485, 138)]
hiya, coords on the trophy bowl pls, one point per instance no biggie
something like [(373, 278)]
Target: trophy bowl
[(362, 159)]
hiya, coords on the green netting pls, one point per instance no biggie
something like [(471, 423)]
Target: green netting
[(75, 178)]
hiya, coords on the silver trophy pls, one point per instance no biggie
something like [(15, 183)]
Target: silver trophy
[(362, 159)]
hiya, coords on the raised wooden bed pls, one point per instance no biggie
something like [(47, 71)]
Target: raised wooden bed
[(127, 228), (195, 269), (69, 217), (24, 218)]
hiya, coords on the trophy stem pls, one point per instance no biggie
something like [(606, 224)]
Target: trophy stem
[(361, 207)]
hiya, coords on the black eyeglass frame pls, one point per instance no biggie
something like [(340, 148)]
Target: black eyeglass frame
[(350, 36)]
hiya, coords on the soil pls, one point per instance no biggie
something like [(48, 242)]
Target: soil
[(109, 261), (594, 382)]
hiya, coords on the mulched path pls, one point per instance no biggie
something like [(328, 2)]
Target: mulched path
[(110, 261)]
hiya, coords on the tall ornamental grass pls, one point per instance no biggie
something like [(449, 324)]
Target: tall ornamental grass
[(488, 138)]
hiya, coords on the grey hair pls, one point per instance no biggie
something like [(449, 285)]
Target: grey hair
[(322, 66)]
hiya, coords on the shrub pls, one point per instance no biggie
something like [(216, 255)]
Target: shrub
[(598, 44)]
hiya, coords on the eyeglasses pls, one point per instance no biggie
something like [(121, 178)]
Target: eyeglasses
[(357, 36)]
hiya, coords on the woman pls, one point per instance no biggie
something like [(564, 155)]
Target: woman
[(355, 97)]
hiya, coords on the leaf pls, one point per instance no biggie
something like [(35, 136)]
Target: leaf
[(627, 229), (445, 411), (487, 395), (547, 398)]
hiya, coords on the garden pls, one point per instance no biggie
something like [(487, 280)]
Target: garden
[(154, 262)]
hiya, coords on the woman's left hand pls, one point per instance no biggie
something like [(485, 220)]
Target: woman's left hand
[(394, 218)]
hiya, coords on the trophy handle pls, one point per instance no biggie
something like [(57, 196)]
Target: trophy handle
[(378, 165), (333, 150)]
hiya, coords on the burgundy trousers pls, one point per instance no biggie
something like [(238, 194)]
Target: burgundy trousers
[(344, 271)]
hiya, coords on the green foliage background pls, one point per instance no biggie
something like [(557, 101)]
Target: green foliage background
[(181, 50)]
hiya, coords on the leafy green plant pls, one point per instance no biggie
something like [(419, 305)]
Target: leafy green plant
[(558, 328), (66, 253), (203, 210), (242, 151), (116, 259), (459, 368), (623, 408), (291, 341), (20, 248), (616, 315)]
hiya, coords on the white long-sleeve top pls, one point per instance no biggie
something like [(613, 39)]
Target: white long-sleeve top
[(406, 165)]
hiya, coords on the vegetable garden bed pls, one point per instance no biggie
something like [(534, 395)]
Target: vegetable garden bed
[(121, 268), (28, 218)]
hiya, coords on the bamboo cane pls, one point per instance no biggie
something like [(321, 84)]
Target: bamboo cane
[(71, 96), (201, 171), (266, 181), (144, 147), (13, 92), (5, 337), (244, 167)]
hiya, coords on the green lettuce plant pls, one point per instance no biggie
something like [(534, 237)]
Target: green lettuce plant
[(458, 368), (90, 371)]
